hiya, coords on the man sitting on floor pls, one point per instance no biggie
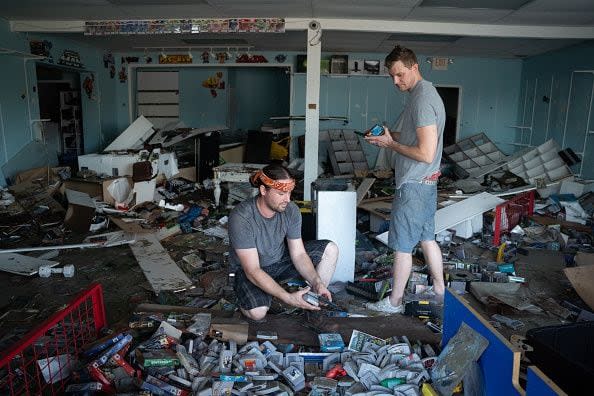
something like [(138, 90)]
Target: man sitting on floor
[(266, 247)]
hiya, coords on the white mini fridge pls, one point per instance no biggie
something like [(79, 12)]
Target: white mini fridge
[(335, 206)]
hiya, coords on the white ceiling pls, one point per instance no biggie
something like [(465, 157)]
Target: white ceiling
[(455, 25)]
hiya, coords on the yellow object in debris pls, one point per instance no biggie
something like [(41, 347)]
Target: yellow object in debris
[(304, 206), (427, 390), (501, 252), (280, 150)]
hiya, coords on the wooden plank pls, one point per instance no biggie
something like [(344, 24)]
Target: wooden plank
[(459, 212), (81, 210), (290, 330), (364, 188), (134, 226), (500, 363), (538, 384), (22, 265), (158, 267), (464, 210), (379, 208), (564, 224), (581, 280)]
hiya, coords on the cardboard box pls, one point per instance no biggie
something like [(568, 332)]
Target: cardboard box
[(233, 154)]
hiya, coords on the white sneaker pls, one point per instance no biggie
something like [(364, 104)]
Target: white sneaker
[(385, 306)]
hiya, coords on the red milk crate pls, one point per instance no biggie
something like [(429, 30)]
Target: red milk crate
[(509, 214), (40, 363)]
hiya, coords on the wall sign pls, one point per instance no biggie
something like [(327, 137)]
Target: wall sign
[(185, 26), (181, 58)]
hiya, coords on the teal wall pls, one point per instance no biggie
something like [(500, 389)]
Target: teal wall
[(490, 89), (19, 102), (491, 93), (565, 115), (251, 95)]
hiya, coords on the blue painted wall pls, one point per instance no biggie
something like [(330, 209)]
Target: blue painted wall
[(556, 102), (19, 102), (251, 95), (491, 96), (490, 90)]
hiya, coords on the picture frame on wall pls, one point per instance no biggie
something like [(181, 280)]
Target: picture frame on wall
[(339, 64), (356, 66), (371, 66)]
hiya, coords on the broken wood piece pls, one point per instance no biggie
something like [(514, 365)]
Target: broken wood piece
[(226, 329), (581, 280), (364, 188), (81, 210), (458, 213), (102, 240), (158, 267), (19, 264)]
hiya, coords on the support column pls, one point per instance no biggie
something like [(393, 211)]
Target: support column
[(312, 106)]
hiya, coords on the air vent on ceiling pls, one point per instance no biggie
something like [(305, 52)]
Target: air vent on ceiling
[(481, 4), (435, 38), (215, 42)]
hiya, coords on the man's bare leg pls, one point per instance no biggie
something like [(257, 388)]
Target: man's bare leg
[(402, 268), (327, 264), (257, 313), (434, 260)]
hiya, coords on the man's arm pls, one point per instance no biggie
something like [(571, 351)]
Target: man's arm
[(424, 151), (251, 266), (305, 267)]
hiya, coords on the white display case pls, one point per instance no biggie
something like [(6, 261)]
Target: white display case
[(336, 218)]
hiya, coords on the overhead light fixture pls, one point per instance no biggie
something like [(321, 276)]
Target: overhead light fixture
[(190, 53), (163, 54)]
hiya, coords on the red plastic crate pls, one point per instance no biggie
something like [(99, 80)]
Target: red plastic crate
[(32, 368), (509, 214)]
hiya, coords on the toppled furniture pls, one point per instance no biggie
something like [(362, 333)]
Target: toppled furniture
[(345, 153)]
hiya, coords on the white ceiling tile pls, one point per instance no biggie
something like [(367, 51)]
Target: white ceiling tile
[(456, 15), (563, 6), (367, 3), (562, 18), (484, 4), (539, 12), (362, 12), (65, 12)]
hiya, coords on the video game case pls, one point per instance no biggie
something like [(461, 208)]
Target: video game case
[(369, 290)]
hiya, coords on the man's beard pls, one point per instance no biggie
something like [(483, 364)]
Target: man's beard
[(280, 208)]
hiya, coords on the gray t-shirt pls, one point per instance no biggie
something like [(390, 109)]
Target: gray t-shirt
[(249, 229), (423, 108)]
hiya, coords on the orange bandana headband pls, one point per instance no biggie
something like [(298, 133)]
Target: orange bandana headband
[(277, 185)]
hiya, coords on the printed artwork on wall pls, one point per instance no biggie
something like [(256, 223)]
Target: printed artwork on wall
[(171, 59), (213, 83), (42, 48), (70, 58), (109, 63), (89, 85)]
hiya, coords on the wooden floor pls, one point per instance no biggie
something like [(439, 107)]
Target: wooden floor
[(291, 329)]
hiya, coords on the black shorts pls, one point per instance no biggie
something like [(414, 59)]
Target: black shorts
[(250, 296)]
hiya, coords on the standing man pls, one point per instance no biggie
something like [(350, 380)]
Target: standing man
[(266, 247), (418, 145)]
